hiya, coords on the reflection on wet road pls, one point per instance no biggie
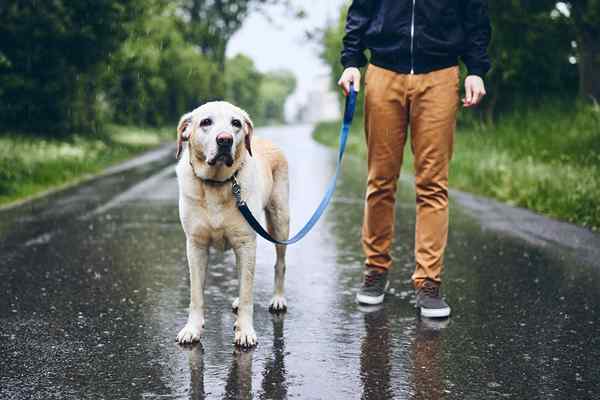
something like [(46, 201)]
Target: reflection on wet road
[(94, 289)]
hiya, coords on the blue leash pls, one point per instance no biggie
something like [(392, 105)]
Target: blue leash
[(243, 207)]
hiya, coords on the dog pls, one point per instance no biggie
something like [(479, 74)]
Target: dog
[(215, 146)]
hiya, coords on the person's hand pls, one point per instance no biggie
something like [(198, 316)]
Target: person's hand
[(350, 75), (474, 91)]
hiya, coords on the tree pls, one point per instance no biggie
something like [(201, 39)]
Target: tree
[(274, 90), (243, 83), (213, 22), (65, 65), (331, 39), (50, 56), (156, 76), (586, 20), (263, 96), (530, 51)]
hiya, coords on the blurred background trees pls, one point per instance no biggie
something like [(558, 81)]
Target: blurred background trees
[(262, 95), (212, 23), (51, 53), (69, 66), (586, 22)]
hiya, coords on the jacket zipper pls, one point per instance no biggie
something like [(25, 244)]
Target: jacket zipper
[(412, 38)]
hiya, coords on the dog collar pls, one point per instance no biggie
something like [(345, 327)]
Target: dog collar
[(214, 182)]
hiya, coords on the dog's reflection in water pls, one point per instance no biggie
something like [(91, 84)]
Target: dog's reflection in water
[(239, 380), (196, 359), (274, 385)]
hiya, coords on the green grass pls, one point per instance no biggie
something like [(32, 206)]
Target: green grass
[(29, 165), (546, 159)]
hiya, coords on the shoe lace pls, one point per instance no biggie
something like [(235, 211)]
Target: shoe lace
[(371, 279), (430, 289)]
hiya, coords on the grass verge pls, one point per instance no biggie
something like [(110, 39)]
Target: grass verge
[(30, 166), (546, 159)]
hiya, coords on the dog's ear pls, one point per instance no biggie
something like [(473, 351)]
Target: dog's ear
[(248, 132), (183, 132)]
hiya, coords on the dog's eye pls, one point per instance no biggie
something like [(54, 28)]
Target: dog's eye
[(236, 123), (206, 122)]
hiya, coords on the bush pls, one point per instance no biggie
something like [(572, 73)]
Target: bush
[(51, 54), (156, 76)]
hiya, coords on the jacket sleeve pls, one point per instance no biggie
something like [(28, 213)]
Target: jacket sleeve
[(478, 32), (359, 18)]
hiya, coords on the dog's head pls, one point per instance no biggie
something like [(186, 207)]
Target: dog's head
[(217, 133)]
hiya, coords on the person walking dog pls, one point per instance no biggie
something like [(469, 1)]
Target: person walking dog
[(412, 80)]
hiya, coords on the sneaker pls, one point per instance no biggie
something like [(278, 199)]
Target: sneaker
[(373, 288), (430, 302)]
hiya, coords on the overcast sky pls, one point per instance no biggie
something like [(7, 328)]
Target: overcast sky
[(281, 43)]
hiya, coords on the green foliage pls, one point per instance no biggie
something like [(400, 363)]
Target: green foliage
[(243, 84), (263, 96), (31, 165), (530, 53), (212, 23), (51, 52), (327, 133), (330, 54), (66, 67), (156, 76), (585, 18), (545, 158), (274, 89)]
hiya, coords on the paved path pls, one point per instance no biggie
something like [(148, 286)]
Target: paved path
[(94, 288)]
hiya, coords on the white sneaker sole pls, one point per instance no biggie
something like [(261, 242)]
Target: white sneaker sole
[(372, 300), (435, 312)]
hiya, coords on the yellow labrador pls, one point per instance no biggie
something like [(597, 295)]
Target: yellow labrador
[(214, 146)]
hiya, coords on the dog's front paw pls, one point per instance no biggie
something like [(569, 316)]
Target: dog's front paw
[(278, 304), (245, 336), (189, 334)]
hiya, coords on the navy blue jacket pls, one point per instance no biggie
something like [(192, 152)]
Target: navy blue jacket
[(418, 36)]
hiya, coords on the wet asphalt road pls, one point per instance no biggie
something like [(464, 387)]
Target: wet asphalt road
[(94, 288)]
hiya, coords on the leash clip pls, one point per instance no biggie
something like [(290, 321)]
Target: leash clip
[(237, 192)]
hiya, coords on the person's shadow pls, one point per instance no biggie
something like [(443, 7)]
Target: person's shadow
[(239, 380)]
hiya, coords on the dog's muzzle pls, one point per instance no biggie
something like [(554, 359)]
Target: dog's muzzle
[(224, 146)]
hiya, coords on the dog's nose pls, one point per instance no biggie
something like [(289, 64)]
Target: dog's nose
[(224, 139)]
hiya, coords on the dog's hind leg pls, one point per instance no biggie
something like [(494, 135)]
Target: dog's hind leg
[(198, 262), (278, 223)]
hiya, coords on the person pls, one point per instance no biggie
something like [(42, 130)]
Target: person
[(412, 80)]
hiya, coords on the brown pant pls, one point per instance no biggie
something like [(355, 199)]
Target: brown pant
[(428, 103)]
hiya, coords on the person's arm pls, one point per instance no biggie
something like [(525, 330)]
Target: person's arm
[(478, 32), (357, 22), (353, 52)]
